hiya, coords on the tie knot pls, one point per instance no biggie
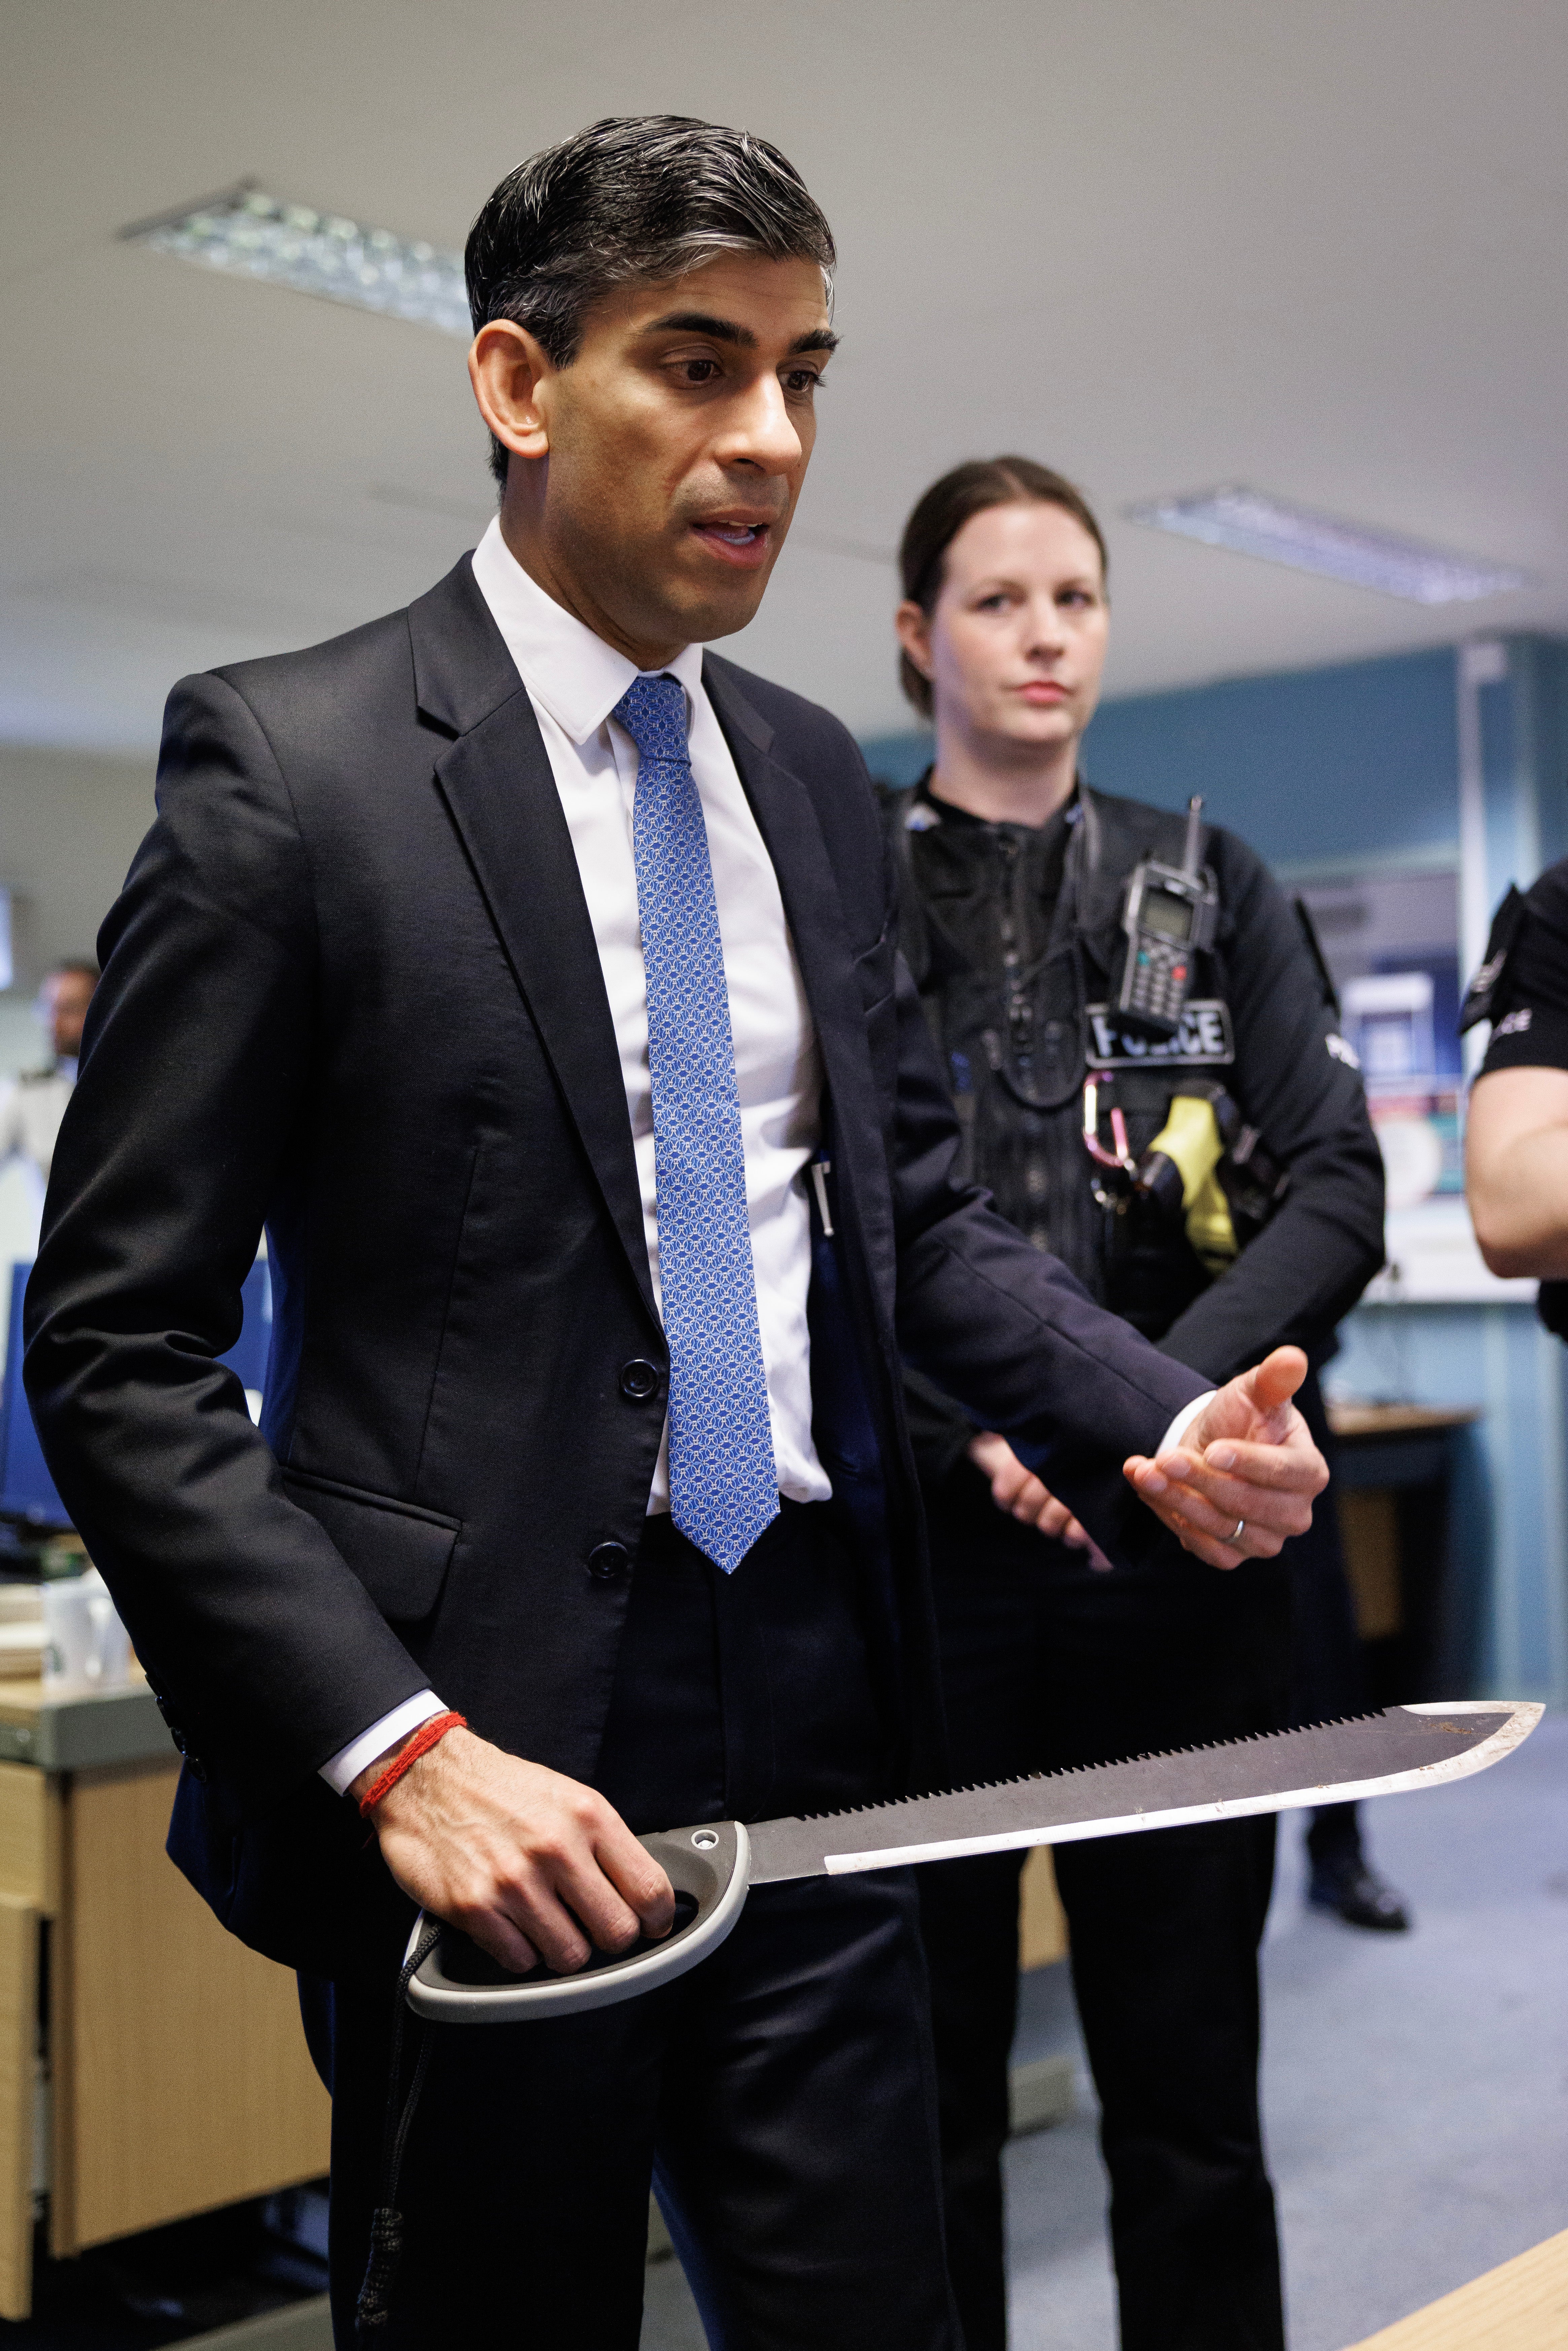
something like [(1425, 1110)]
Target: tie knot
[(653, 710)]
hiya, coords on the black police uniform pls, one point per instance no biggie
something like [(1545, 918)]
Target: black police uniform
[(1521, 988), (1014, 936)]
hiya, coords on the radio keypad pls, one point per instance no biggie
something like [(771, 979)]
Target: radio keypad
[(1159, 978)]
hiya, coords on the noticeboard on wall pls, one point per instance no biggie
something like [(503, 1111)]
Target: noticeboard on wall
[(1392, 943)]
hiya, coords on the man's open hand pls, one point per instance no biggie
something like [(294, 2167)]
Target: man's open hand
[(1247, 1457), (522, 1859)]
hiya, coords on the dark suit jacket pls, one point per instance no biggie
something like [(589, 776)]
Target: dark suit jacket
[(352, 993)]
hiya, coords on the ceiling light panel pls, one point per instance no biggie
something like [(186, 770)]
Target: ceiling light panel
[(258, 236), (1249, 522)]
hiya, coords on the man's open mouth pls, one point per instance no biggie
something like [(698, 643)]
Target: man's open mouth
[(738, 542)]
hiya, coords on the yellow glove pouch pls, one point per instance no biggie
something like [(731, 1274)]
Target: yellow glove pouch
[(1190, 1140)]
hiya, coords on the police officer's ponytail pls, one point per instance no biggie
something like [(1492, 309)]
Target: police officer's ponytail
[(941, 514)]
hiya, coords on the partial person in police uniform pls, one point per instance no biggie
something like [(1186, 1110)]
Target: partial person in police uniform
[(1204, 1162), (32, 1105), (1516, 1135)]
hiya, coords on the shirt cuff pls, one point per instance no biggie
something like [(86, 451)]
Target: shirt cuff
[(341, 1771), (1180, 1424)]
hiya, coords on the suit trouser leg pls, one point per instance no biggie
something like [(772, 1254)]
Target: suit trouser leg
[(782, 2097), (1164, 1933), (524, 2188), (969, 1922), (783, 2092), (796, 2161)]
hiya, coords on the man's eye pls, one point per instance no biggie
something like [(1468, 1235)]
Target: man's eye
[(800, 380), (698, 371)]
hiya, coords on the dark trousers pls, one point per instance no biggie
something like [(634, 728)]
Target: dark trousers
[(781, 2098), (1165, 1934), (1328, 1673), (1048, 1664)]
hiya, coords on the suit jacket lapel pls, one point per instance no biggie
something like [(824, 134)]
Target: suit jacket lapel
[(498, 785), (812, 907)]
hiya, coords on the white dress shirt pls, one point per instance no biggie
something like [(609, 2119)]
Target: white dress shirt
[(574, 680), (31, 1109)]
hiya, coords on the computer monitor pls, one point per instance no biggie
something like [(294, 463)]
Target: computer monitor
[(26, 1488)]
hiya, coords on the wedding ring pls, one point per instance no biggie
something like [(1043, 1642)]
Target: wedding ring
[(1236, 1531)]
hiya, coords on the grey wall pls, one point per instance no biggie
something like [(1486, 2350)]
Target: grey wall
[(68, 824)]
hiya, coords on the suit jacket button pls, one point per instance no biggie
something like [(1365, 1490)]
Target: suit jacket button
[(639, 1379), (608, 1560)]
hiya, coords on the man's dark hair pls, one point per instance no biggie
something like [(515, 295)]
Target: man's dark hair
[(941, 514), (646, 195)]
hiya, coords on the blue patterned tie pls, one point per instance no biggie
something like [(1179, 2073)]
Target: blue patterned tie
[(723, 1487)]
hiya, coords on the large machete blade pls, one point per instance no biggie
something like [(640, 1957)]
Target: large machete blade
[(712, 1864), (1405, 1747)]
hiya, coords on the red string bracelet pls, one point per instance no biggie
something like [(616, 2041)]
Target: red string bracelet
[(424, 1740)]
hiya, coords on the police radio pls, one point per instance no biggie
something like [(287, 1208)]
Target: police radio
[(1168, 916)]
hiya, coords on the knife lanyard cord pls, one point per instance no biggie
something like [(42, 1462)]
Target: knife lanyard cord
[(373, 2307)]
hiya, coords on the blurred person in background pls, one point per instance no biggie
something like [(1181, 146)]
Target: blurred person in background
[(1516, 1135), (1222, 1190), (32, 1105)]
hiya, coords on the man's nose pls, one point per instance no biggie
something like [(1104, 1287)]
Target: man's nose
[(760, 432)]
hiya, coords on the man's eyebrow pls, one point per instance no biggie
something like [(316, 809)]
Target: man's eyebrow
[(698, 322), (726, 331)]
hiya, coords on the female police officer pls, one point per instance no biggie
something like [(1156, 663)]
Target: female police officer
[(1201, 1158)]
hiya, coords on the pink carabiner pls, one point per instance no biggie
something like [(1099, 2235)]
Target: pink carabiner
[(1121, 1156)]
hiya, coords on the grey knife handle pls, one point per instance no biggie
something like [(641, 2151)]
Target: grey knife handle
[(708, 1865)]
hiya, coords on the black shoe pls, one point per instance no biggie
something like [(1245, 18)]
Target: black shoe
[(1356, 1894)]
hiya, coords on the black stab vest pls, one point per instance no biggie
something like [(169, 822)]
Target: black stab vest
[(1014, 937)]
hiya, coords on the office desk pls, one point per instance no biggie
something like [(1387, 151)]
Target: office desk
[(1521, 2306), (1391, 1475), (175, 2071)]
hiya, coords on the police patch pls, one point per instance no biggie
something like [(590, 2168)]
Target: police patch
[(1204, 1040)]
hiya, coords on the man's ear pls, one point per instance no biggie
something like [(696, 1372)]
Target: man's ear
[(914, 636), (510, 370)]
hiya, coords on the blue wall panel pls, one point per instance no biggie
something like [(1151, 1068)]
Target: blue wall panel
[(1326, 765)]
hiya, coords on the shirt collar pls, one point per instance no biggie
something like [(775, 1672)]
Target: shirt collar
[(569, 671)]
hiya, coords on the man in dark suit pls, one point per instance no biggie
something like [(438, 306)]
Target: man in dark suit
[(530, 976)]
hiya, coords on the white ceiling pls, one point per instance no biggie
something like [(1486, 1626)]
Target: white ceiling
[(1316, 245)]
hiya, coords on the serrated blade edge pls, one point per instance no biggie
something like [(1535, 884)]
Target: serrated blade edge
[(1401, 1749)]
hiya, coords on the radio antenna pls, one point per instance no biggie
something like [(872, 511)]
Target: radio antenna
[(1193, 822)]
